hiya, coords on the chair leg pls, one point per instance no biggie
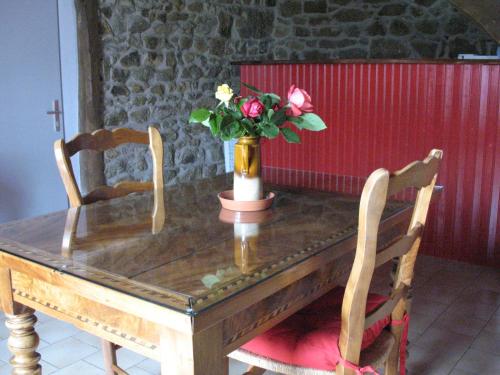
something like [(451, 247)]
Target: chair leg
[(109, 354), (253, 370)]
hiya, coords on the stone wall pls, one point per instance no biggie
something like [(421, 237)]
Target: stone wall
[(163, 58)]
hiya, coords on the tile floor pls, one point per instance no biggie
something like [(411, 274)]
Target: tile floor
[(454, 328)]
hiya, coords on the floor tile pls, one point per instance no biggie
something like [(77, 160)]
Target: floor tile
[(47, 368), (80, 368), (150, 366), (429, 362), (422, 305), (452, 279), (473, 294), (138, 371), (448, 346), (459, 324), (420, 322), (66, 352), (4, 351), (461, 372), (5, 369), (475, 310), (4, 332), (493, 324), (42, 318), (487, 342), (89, 339), (479, 362), (437, 293), (53, 330), (126, 359)]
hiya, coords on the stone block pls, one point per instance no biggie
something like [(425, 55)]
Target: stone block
[(399, 28), (315, 6), (388, 49), (392, 10), (119, 90), (225, 24), (120, 75), (327, 31), (425, 49), (456, 25), (255, 23), (151, 42), (140, 115), (302, 31), (425, 2), (352, 53), (138, 24), (376, 28), (427, 26), (131, 59), (350, 15), (317, 20), (118, 118), (289, 8)]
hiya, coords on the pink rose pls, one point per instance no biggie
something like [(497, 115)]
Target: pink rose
[(252, 108), (299, 100)]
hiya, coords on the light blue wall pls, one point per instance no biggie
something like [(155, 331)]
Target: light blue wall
[(69, 72)]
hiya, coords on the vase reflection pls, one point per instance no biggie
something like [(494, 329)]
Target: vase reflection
[(246, 228)]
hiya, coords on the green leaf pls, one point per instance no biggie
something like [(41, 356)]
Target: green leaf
[(226, 120), (279, 117), (290, 135), (312, 122), (254, 89), (270, 113), (275, 99), (199, 115), (269, 130), (214, 126), (266, 100), (297, 121), (236, 130)]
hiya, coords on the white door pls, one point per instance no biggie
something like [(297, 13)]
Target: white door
[(30, 81)]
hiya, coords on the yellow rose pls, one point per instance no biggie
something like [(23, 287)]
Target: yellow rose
[(224, 94)]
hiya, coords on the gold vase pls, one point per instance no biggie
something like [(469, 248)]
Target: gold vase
[(247, 184)]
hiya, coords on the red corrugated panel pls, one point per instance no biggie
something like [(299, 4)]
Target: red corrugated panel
[(388, 114)]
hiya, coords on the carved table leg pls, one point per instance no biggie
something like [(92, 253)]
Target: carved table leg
[(22, 342)]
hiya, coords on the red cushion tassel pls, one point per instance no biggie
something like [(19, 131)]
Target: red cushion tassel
[(404, 342)]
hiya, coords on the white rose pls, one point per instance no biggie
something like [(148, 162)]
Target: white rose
[(224, 94)]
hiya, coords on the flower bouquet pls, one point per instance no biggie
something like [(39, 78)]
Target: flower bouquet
[(250, 118)]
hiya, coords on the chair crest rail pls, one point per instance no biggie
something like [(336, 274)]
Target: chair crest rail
[(103, 139), (415, 175)]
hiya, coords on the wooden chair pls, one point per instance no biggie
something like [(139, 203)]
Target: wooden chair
[(101, 140), (354, 316)]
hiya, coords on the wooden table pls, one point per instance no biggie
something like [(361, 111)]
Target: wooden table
[(188, 294)]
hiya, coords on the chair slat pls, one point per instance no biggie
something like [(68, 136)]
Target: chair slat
[(119, 190), (104, 139), (416, 175), (400, 247), (386, 309)]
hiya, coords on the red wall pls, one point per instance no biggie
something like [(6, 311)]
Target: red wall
[(389, 114)]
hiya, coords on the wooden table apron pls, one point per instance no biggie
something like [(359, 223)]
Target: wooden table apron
[(183, 343)]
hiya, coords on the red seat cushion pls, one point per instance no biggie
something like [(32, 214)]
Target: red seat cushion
[(309, 338)]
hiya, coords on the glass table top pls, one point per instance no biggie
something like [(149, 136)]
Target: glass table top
[(201, 254)]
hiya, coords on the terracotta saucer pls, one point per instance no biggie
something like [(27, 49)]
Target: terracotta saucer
[(227, 201)]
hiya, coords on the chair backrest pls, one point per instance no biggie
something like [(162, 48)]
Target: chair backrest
[(379, 186), (102, 140)]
